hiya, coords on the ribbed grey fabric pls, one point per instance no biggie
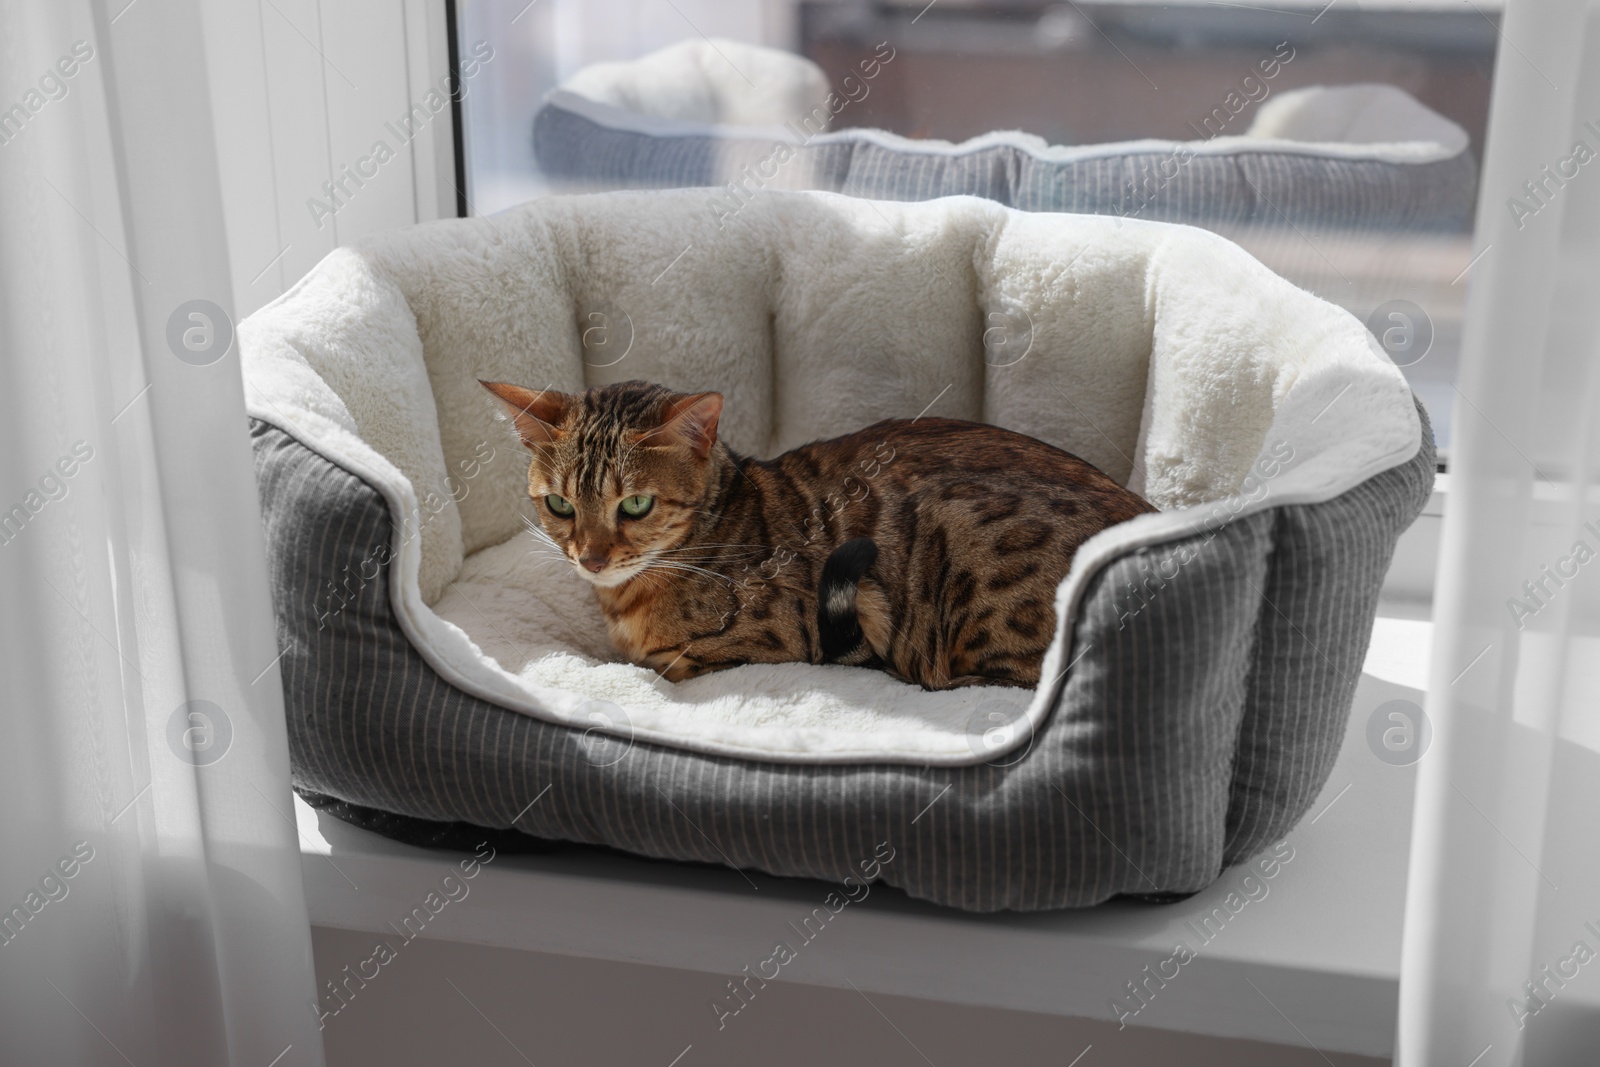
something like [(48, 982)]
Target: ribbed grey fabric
[(1241, 188), (1210, 684), (1323, 591)]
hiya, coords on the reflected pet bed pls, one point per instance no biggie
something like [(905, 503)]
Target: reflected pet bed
[(1205, 655), (1357, 157)]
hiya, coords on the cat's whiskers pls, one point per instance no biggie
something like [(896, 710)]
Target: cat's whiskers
[(681, 554), (717, 565), (658, 581), (724, 550), (545, 547), (544, 554), (686, 568), (713, 544), (536, 529), (681, 565), (537, 545), (540, 535)]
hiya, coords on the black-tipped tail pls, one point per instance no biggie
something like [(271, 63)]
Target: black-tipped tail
[(838, 622)]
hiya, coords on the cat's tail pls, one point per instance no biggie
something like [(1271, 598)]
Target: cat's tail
[(840, 603)]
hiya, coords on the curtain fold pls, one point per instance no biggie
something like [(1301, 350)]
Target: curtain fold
[(151, 906), (1503, 902)]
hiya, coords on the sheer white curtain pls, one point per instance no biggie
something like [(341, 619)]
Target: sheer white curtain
[(149, 875), (1501, 961)]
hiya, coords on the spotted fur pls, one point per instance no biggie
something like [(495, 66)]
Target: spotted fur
[(740, 560)]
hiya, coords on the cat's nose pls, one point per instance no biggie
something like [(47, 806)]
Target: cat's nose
[(593, 563)]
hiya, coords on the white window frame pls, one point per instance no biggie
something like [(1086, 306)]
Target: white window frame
[(302, 92)]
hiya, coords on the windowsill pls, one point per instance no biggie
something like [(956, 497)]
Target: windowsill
[(1323, 944), (1440, 495)]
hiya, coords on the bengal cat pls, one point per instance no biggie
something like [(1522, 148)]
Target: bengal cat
[(929, 547)]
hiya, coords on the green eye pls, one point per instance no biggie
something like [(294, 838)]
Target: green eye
[(560, 505), (636, 507)]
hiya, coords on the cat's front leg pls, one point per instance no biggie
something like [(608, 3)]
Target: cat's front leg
[(736, 648), (681, 662), (674, 664)]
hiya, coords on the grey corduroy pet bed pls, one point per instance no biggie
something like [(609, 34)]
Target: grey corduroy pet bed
[(1364, 157), (1205, 657)]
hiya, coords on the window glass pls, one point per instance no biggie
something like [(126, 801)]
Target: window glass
[(1337, 142)]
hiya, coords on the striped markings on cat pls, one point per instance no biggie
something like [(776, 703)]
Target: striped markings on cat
[(816, 524)]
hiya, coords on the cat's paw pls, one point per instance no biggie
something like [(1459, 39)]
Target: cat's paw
[(970, 679)]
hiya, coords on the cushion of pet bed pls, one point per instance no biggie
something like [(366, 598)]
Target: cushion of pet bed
[(1163, 354), (1364, 156)]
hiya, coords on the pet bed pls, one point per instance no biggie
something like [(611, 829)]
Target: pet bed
[(1205, 656), (1355, 157)]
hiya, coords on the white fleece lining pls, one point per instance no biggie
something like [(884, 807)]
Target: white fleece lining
[(1186, 363), (1395, 128)]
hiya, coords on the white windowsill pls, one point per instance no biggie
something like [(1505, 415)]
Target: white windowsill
[(1323, 944)]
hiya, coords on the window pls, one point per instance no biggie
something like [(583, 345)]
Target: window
[(1395, 251)]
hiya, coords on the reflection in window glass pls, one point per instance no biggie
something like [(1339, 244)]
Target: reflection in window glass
[(1337, 142)]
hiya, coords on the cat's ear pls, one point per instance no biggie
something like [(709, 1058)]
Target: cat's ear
[(690, 421), (535, 413)]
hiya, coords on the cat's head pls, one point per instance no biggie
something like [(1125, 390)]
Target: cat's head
[(619, 473)]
